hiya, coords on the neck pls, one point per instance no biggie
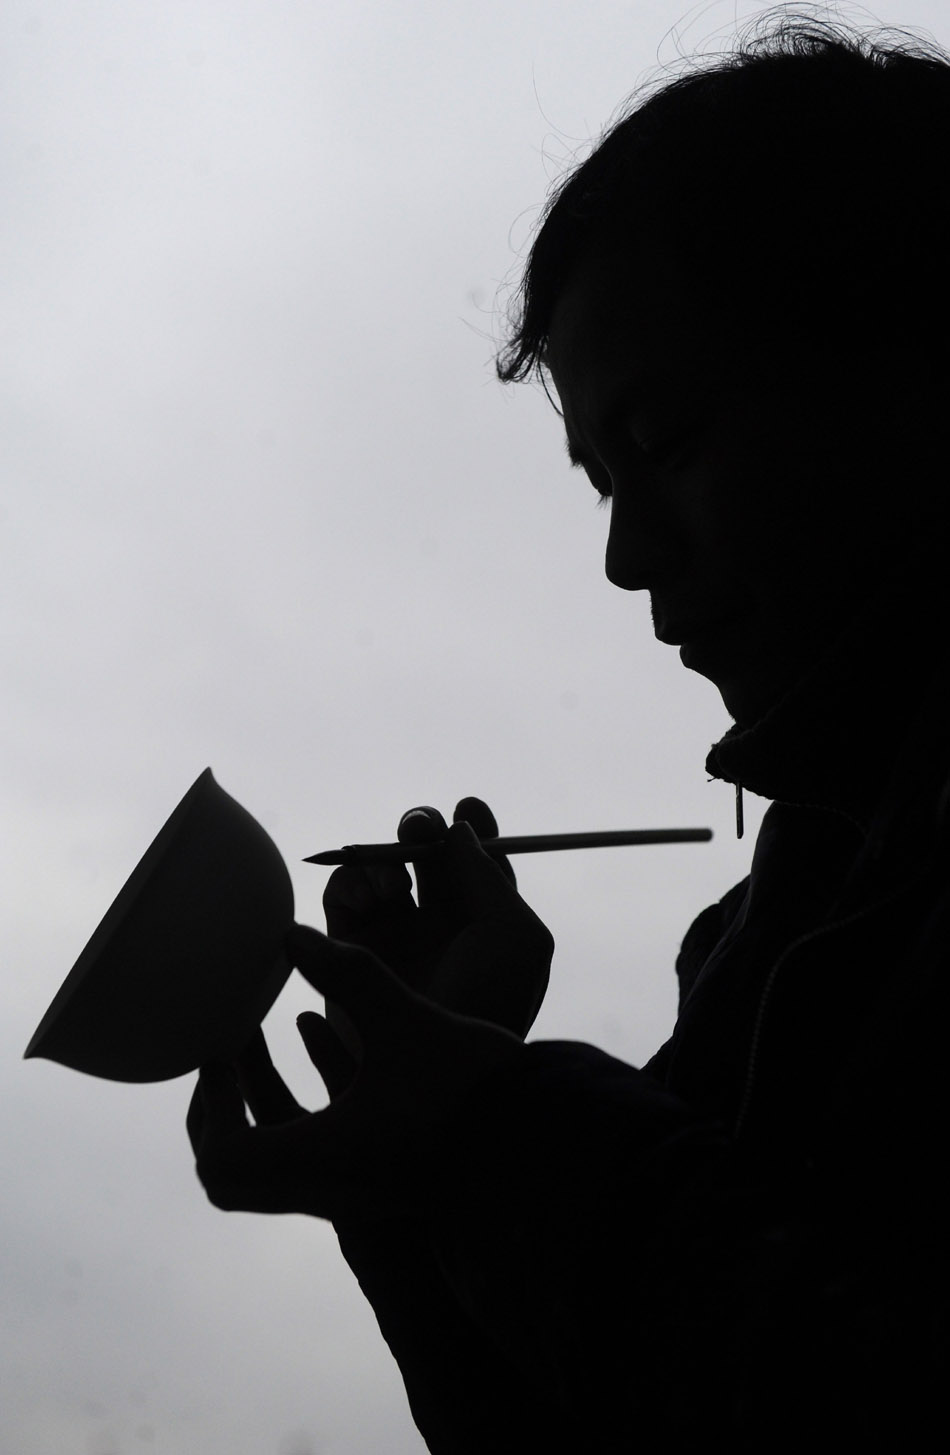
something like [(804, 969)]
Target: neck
[(833, 739)]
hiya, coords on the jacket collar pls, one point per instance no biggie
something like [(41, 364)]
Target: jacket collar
[(875, 696)]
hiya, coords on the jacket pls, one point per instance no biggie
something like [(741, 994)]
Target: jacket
[(742, 1241)]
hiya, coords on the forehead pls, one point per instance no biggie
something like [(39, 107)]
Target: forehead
[(631, 320)]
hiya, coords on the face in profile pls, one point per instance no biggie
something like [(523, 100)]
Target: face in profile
[(748, 507)]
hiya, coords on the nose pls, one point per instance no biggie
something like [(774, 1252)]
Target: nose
[(630, 559), (617, 562)]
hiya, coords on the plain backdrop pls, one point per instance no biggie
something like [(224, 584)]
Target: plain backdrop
[(265, 507)]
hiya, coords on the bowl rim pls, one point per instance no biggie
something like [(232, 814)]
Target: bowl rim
[(122, 904)]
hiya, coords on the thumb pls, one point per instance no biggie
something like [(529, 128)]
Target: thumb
[(486, 882), (476, 812)]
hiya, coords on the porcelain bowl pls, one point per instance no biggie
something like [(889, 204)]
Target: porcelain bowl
[(189, 957)]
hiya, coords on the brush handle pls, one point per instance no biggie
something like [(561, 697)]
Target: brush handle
[(513, 844)]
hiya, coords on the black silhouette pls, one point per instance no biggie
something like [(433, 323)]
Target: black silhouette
[(739, 299)]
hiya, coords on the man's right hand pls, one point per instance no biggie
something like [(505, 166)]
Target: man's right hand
[(470, 943)]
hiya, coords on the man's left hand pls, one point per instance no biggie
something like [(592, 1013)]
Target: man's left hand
[(380, 1149)]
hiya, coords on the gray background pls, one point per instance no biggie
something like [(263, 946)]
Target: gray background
[(265, 507)]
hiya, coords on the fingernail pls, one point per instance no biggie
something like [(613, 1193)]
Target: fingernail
[(423, 812)]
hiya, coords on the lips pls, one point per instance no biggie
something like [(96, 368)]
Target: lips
[(677, 632), (686, 631), (674, 634)]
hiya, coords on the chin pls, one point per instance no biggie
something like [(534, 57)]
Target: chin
[(748, 689), (746, 699), (747, 703)]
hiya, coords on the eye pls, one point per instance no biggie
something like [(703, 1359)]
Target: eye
[(660, 449), (666, 445), (601, 481)]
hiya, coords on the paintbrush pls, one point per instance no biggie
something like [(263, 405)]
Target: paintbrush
[(511, 844)]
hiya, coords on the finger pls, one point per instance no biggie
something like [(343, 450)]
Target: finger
[(476, 812), (422, 825), (274, 1169), (434, 884), (360, 984), (327, 1052), (222, 1101), (485, 882), (348, 903), (357, 895), (391, 883), (347, 899), (373, 907), (262, 1085)]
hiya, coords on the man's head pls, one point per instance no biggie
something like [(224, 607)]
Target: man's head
[(736, 298)]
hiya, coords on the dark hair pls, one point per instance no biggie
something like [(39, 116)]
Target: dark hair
[(802, 179)]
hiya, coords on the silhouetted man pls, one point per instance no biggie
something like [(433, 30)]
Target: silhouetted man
[(739, 301)]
